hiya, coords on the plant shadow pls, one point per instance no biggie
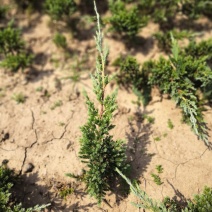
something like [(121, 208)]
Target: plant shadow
[(30, 192), (138, 137)]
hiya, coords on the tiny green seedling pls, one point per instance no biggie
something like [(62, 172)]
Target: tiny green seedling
[(159, 168), (60, 41), (65, 191), (61, 124), (156, 179), (56, 104), (170, 124), (157, 138), (150, 119), (39, 89), (19, 98)]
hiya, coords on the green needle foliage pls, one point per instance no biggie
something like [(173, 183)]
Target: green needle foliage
[(58, 9), (98, 149), (181, 76), (60, 40), (7, 179), (126, 22), (3, 11), (12, 49), (195, 8), (160, 11), (164, 39), (130, 75)]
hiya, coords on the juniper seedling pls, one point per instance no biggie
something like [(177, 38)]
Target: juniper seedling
[(156, 179), (19, 98), (98, 150), (170, 124), (159, 169), (181, 76), (60, 41)]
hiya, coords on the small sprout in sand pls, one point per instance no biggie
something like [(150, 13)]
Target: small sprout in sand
[(56, 104), (150, 119), (39, 89), (156, 179), (157, 138), (61, 124), (159, 168), (65, 191), (170, 124), (19, 98), (60, 41)]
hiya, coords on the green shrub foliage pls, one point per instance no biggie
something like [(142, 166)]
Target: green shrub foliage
[(125, 21), (131, 75), (181, 76), (57, 9), (3, 11), (6, 182), (160, 11), (202, 49), (195, 8), (12, 49), (164, 38), (98, 149)]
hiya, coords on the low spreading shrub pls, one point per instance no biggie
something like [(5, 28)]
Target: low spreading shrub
[(130, 75), (160, 11), (7, 179), (58, 9), (125, 21), (194, 8), (181, 76), (12, 49)]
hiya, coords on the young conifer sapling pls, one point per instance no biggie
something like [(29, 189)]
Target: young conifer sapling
[(98, 150)]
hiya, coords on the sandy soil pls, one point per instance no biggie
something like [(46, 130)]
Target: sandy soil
[(41, 140)]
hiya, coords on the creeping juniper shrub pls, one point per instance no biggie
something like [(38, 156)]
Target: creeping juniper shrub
[(195, 8), (164, 38), (12, 49), (130, 75), (98, 150), (202, 49), (125, 21), (7, 179), (58, 9), (181, 76), (201, 202), (160, 11)]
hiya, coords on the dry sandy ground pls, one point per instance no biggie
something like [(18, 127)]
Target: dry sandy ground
[(39, 133)]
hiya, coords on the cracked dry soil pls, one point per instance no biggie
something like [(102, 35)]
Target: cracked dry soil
[(47, 137)]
